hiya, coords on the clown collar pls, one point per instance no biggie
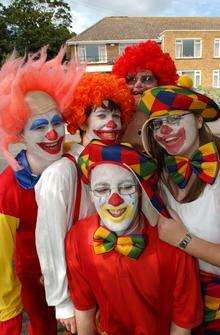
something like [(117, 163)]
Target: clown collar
[(24, 177)]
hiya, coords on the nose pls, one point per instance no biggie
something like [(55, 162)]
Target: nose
[(115, 200), (51, 135), (138, 84), (111, 124), (165, 129)]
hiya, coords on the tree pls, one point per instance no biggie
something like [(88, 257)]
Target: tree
[(27, 25)]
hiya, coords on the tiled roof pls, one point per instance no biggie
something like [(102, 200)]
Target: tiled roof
[(142, 27)]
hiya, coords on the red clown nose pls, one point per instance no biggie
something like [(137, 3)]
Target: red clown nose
[(111, 124), (51, 135), (115, 200), (165, 129)]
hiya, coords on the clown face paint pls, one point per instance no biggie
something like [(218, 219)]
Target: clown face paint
[(141, 81), (115, 195), (180, 136), (43, 136), (104, 122)]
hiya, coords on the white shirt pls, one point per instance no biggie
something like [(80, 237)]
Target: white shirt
[(201, 217), (55, 195)]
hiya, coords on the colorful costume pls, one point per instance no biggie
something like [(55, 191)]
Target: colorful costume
[(57, 193), (200, 214), (47, 84), (110, 276), (131, 299)]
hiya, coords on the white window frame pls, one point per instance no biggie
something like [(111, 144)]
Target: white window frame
[(81, 50), (216, 73), (179, 41), (195, 74), (216, 41), (102, 53)]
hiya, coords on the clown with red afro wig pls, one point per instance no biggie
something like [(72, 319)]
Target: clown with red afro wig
[(143, 66), (146, 56), (92, 90)]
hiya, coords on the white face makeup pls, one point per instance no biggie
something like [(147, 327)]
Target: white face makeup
[(104, 122), (115, 195), (44, 135), (178, 135)]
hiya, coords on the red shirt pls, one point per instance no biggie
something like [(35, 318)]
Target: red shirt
[(20, 203), (135, 297)]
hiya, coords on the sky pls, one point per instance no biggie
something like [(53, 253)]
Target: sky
[(85, 13)]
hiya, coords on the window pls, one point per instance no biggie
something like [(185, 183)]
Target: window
[(122, 46), (216, 78), (195, 75), (92, 53), (188, 48), (217, 47)]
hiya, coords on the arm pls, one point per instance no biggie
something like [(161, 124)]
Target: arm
[(173, 231), (10, 300), (176, 330), (85, 322), (55, 193)]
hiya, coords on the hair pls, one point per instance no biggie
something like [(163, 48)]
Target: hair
[(18, 77), (158, 153), (146, 56), (92, 89)]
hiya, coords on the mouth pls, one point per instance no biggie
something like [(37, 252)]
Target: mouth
[(107, 134), (116, 213), (52, 148), (172, 143)]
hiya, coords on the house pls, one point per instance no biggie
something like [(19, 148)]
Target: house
[(192, 42)]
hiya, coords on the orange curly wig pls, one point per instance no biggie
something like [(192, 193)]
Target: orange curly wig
[(146, 56), (17, 78), (92, 89)]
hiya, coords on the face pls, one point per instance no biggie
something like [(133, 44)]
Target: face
[(44, 135), (177, 134), (140, 82), (104, 122), (115, 195)]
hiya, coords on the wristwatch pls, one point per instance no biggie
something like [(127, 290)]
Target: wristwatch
[(185, 241)]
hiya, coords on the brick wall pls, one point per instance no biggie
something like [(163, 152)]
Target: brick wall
[(207, 63)]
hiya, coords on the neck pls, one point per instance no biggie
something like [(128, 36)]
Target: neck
[(85, 140), (37, 164)]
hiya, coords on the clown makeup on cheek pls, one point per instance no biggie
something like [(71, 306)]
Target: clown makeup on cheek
[(44, 134), (104, 122), (180, 136), (115, 196)]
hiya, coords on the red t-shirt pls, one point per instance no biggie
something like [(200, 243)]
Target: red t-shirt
[(135, 297)]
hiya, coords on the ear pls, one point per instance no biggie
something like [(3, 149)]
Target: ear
[(83, 127), (199, 121)]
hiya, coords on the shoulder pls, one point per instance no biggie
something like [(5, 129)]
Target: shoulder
[(9, 192), (83, 228)]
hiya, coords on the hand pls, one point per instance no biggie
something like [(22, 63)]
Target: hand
[(171, 230), (69, 324)]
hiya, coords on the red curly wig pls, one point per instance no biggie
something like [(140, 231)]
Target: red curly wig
[(146, 56), (92, 89)]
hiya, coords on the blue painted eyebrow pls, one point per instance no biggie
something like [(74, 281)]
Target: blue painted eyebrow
[(38, 123), (56, 119)]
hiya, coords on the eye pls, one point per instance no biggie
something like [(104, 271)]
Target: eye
[(127, 189), (130, 79), (116, 115), (42, 127), (58, 123), (101, 116), (173, 119), (101, 191)]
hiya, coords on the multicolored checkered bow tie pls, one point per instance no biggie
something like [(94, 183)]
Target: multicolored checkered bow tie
[(104, 241), (203, 162)]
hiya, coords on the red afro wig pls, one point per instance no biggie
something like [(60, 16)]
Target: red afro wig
[(146, 56), (92, 89)]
